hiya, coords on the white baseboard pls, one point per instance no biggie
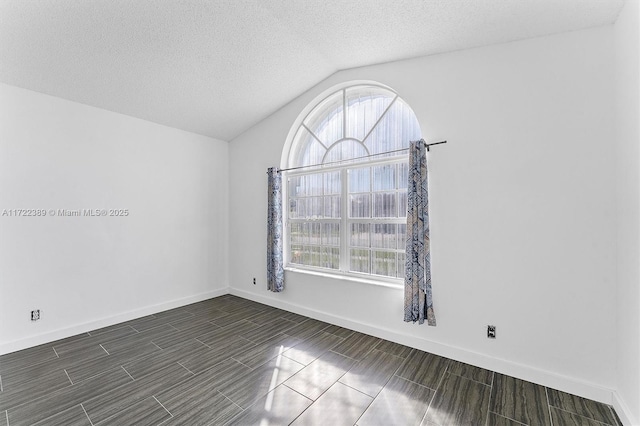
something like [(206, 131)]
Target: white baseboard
[(531, 374), (623, 411), (545, 378), (62, 333)]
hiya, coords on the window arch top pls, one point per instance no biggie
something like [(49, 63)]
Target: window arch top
[(354, 122)]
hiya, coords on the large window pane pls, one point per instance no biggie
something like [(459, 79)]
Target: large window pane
[(402, 237), (331, 234), (332, 183), (295, 187), (359, 260), (315, 234), (332, 207), (403, 175), (308, 150), (364, 107), (297, 233), (296, 254), (316, 255), (326, 119), (395, 130), (384, 263), (360, 180), (401, 265), (384, 204), (317, 207), (402, 204), (330, 257), (360, 205), (313, 184), (346, 150), (300, 208), (384, 236), (293, 208), (384, 177), (359, 235)]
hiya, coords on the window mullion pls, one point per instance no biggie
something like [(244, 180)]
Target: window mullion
[(344, 225)]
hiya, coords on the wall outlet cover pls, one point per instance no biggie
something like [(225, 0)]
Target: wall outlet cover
[(491, 331)]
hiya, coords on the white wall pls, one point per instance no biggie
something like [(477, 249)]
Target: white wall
[(85, 272), (522, 210), (627, 51)]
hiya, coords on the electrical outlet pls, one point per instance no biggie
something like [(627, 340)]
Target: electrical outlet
[(35, 315), (254, 280), (491, 331)]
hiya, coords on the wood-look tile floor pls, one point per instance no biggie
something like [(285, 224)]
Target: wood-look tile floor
[(229, 360)]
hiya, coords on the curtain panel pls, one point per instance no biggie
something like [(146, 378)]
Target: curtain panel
[(418, 303), (275, 267)]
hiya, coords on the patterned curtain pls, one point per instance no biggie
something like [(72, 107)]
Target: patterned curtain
[(418, 303), (275, 268)]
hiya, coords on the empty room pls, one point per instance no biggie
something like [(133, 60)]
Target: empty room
[(320, 212)]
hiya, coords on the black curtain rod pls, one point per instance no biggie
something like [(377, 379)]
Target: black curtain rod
[(359, 158)]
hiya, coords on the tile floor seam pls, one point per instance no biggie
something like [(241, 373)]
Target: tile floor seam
[(198, 340), (507, 417), (385, 383), (368, 406), (240, 362), (309, 406), (104, 349), (435, 391), (40, 397), (165, 408), (94, 376), (580, 415), (346, 356), (358, 390), (300, 393), (125, 370), (471, 380), (284, 354), (119, 412), (404, 361), (343, 384), (86, 414), (493, 374), (231, 400), (178, 362), (65, 372), (416, 383), (546, 392), (235, 403), (154, 344)]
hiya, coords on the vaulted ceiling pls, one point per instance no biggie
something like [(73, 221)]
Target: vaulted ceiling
[(217, 67)]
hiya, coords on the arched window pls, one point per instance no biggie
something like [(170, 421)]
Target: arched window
[(347, 199)]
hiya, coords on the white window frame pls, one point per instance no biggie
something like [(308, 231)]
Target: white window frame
[(345, 220)]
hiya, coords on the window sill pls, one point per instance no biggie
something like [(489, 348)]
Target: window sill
[(360, 280)]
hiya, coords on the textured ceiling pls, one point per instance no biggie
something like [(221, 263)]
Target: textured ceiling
[(217, 67)]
